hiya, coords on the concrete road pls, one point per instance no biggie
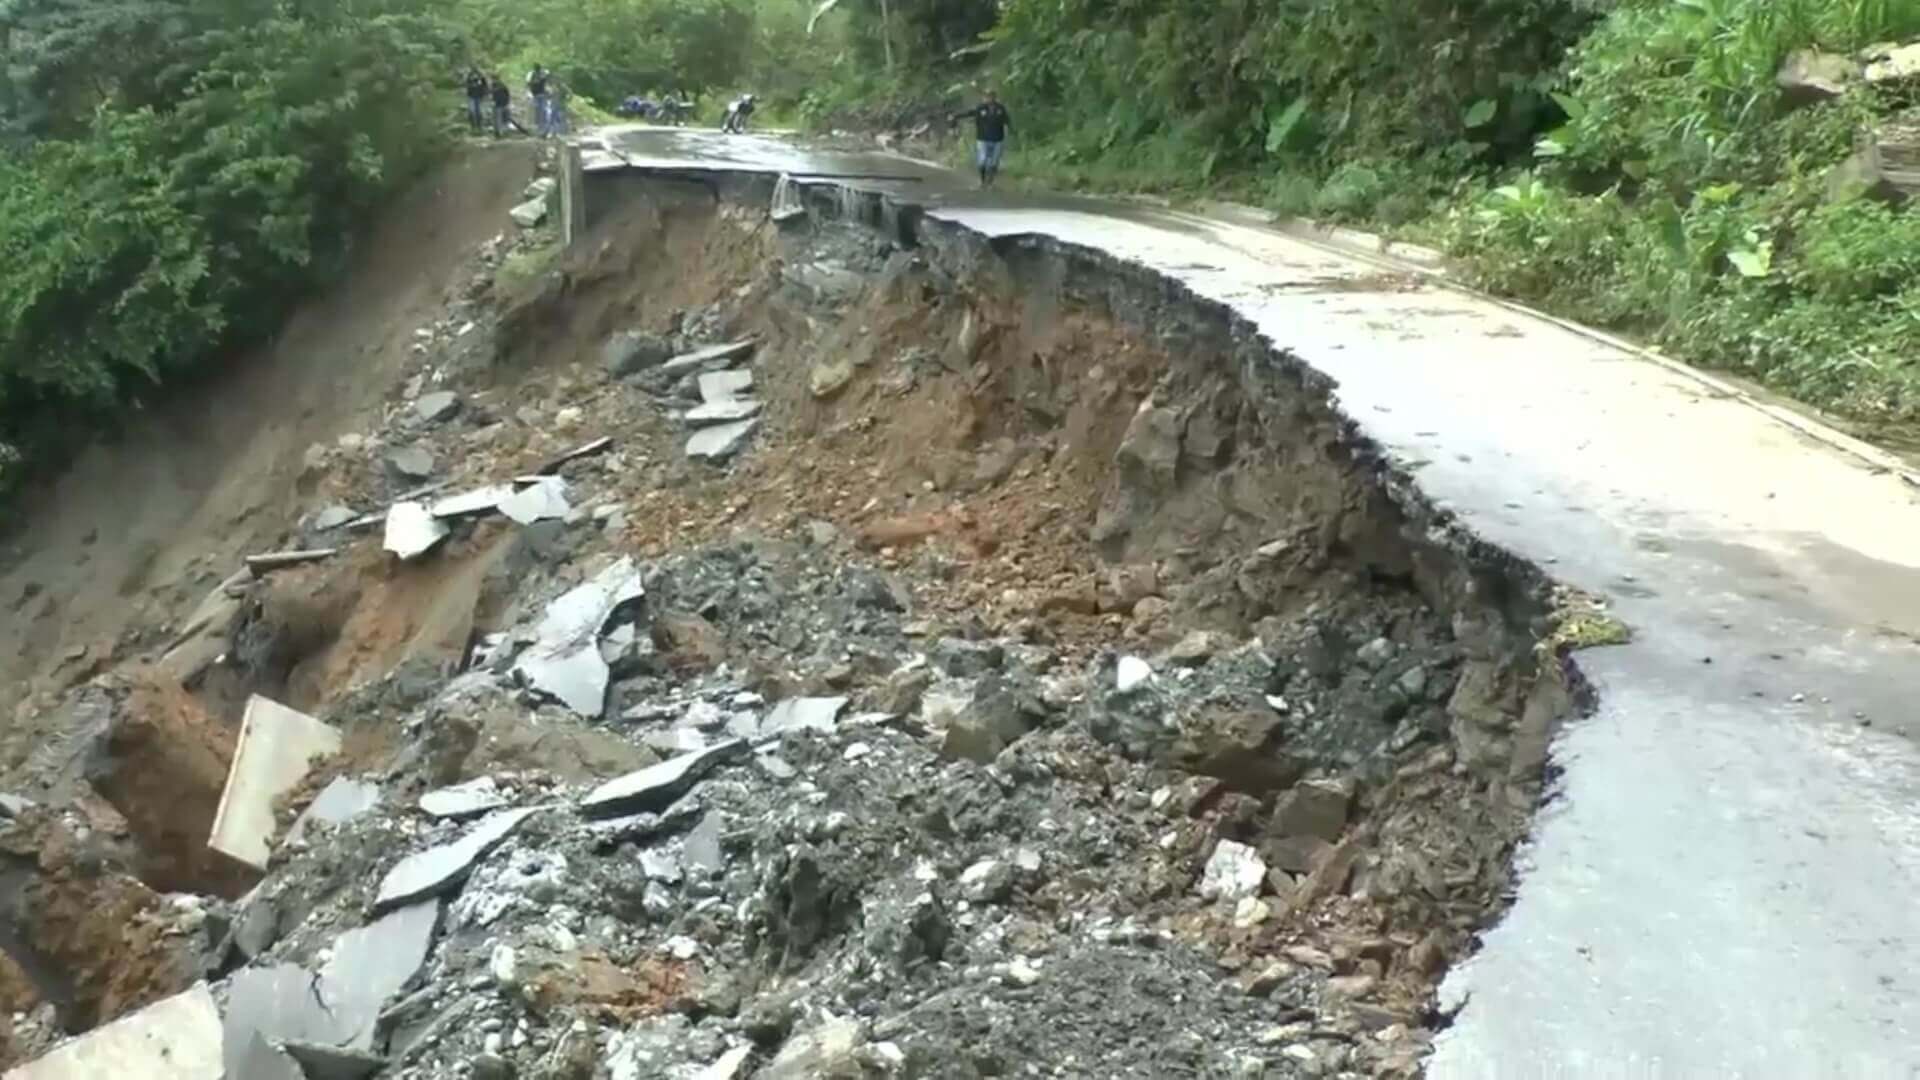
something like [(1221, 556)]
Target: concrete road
[(1727, 883)]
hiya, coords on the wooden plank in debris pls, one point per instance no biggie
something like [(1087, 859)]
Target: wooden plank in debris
[(594, 447), (260, 565)]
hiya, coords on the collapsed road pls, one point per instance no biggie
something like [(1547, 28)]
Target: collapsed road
[(841, 625)]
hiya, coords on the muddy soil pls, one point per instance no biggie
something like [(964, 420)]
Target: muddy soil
[(1177, 735)]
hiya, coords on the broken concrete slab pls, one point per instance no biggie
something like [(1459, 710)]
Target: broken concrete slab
[(261, 1060), (719, 443), (710, 358), (276, 748), (333, 517), (728, 1066), (542, 501), (412, 530), (716, 386), (427, 873), (722, 412), (829, 1049), (437, 406), (802, 714), (270, 1002), (410, 463), (476, 796), (702, 852), (342, 800), (478, 501), (340, 1007), (320, 1062), (656, 786), (369, 965), (177, 1038), (564, 661)]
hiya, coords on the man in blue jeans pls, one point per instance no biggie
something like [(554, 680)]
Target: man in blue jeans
[(990, 123), (476, 97), (542, 100)]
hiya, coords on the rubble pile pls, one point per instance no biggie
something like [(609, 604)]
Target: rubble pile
[(641, 728)]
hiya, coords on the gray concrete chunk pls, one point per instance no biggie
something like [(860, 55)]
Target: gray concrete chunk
[(656, 786), (412, 530), (342, 800), (564, 661), (371, 964), (803, 714), (464, 800), (719, 443), (478, 501), (709, 358), (333, 517), (261, 1060), (278, 1002), (722, 412), (320, 1062), (703, 845), (437, 406), (540, 501), (174, 1039), (718, 386), (410, 463), (437, 869)]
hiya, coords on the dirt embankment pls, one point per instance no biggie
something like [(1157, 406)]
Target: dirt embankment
[(983, 474)]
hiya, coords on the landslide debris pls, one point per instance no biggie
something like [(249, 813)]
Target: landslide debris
[(1041, 679)]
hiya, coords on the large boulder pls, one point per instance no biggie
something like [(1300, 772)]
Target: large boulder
[(1885, 167), (634, 350), (1890, 64), (1809, 76)]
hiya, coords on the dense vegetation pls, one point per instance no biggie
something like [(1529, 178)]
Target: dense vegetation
[(175, 173)]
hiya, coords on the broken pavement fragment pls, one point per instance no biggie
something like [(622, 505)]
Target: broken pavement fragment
[(478, 501), (543, 500), (476, 796), (656, 786), (427, 873), (342, 800), (710, 358), (276, 748), (412, 530), (586, 450), (439, 405), (803, 714), (722, 412), (340, 1007), (410, 463), (718, 386), (177, 1038), (565, 662), (719, 443)]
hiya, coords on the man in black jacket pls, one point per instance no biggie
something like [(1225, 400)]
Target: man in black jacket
[(990, 124), (476, 96), (502, 107)]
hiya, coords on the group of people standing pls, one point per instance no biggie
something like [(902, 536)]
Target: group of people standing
[(484, 90)]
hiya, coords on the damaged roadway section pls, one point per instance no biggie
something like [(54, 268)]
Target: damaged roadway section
[(1056, 682)]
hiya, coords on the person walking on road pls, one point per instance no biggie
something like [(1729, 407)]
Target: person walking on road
[(538, 86), (502, 106), (476, 97), (990, 124)]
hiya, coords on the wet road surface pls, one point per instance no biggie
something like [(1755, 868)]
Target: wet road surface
[(1728, 883)]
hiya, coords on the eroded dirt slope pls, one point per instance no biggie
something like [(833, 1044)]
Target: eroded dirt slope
[(145, 521)]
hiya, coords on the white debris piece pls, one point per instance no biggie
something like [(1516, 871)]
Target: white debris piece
[(412, 530), (1234, 871), (1132, 674)]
